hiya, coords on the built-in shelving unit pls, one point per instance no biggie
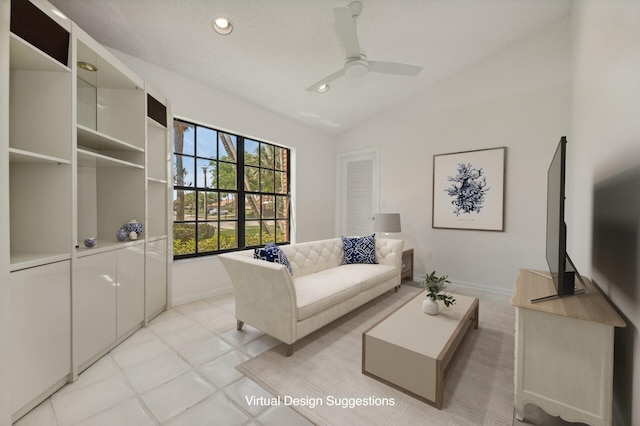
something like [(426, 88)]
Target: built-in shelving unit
[(40, 163), (110, 130), (39, 155), (87, 151)]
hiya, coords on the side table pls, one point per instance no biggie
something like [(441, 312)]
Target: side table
[(407, 266)]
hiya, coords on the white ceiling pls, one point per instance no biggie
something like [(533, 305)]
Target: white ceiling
[(280, 47)]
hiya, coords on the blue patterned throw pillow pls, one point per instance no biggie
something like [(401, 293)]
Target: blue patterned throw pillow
[(272, 253), (359, 249)]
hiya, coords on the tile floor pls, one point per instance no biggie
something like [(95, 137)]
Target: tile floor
[(180, 370)]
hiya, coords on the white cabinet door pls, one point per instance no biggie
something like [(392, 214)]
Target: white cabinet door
[(156, 277), (94, 306), (40, 301), (130, 289)]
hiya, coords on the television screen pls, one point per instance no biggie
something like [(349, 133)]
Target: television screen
[(556, 227)]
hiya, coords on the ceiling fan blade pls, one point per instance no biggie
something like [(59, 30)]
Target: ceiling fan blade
[(326, 80), (346, 28), (394, 68)]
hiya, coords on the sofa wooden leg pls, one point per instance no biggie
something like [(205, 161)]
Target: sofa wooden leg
[(239, 325), (289, 350), (395, 289)]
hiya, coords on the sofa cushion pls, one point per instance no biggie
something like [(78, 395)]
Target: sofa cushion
[(369, 276), (272, 253), (319, 291), (359, 249)]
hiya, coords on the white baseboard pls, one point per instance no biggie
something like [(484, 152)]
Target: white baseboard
[(478, 287), (200, 296), (482, 287)]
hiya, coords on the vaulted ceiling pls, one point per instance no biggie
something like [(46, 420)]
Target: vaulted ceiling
[(278, 48)]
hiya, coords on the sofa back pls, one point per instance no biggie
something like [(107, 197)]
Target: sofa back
[(308, 258), (313, 256)]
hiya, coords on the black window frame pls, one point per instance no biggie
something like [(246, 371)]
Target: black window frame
[(241, 193)]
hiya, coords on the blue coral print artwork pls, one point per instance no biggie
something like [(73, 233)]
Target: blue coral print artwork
[(467, 189)]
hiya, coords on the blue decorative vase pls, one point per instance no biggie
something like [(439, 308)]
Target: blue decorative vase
[(133, 226), (90, 242), (121, 235)]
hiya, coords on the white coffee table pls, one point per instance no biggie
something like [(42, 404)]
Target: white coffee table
[(413, 351)]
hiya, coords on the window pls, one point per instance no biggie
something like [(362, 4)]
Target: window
[(223, 201)]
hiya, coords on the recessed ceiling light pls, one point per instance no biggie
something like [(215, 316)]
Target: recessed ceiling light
[(323, 88), (222, 26), (87, 66)]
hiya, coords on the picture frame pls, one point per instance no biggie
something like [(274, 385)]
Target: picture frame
[(468, 190)]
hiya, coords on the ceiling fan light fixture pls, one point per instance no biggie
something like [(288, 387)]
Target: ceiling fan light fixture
[(323, 88), (356, 68), (222, 26)]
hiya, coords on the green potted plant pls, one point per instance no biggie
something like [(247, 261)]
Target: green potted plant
[(435, 291)]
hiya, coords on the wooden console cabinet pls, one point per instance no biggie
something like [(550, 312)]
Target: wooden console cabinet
[(564, 351)]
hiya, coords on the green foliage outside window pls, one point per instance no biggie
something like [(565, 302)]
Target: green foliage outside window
[(185, 243)]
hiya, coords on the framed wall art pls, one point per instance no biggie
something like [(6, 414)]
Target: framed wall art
[(468, 190)]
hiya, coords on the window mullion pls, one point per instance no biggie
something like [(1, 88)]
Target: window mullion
[(240, 185)]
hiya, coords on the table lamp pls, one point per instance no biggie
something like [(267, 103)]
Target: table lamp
[(386, 223)]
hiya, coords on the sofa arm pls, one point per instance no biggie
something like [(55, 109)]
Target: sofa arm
[(389, 252), (264, 294)]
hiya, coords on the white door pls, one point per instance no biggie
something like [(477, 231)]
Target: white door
[(357, 192)]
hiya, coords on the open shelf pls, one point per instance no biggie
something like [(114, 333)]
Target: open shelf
[(93, 159), (110, 74), (111, 101), (157, 156), (26, 57), (162, 181), (104, 245), (93, 139), (40, 103), (22, 156), (40, 198), (30, 260), (153, 123)]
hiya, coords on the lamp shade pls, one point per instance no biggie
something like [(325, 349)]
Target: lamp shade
[(386, 222)]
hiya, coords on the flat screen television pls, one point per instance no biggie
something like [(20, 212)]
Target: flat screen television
[(561, 268)]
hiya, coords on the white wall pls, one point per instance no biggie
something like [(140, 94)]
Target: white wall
[(519, 98), (313, 177), (606, 174)]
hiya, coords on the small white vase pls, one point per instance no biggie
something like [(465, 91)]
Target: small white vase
[(430, 306)]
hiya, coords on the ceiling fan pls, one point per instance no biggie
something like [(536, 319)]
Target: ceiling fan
[(357, 64)]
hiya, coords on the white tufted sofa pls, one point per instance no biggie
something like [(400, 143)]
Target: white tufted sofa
[(320, 290)]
